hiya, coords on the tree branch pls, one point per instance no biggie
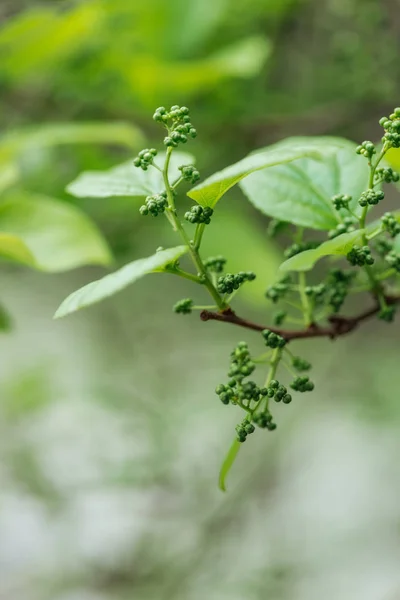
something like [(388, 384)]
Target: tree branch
[(338, 325)]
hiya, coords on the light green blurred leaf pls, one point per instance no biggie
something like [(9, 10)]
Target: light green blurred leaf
[(301, 191), (5, 320), (340, 245), (36, 39), (212, 189), (256, 250), (126, 179), (13, 248), (59, 236), (115, 282), (8, 175)]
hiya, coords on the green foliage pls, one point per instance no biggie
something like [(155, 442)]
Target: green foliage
[(319, 183), (117, 281)]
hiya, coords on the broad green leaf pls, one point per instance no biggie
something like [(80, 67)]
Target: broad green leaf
[(126, 179), (59, 236), (212, 189), (392, 157), (340, 245), (115, 282), (13, 248), (256, 252), (301, 191)]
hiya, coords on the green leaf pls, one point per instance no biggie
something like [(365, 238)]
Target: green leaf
[(6, 323), (126, 179), (227, 464), (115, 282), (13, 248), (212, 189), (340, 245), (52, 235), (301, 191)]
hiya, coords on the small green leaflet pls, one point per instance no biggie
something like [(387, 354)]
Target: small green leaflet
[(115, 282), (341, 245), (126, 179), (49, 235)]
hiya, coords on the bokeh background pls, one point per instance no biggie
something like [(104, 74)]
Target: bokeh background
[(110, 434)]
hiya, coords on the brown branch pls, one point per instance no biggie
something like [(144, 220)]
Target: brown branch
[(338, 325)]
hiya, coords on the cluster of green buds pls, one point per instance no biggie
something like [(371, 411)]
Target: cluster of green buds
[(198, 214), (184, 306), (296, 248), (393, 260), (340, 201), (279, 317), (300, 364), (391, 126), (316, 292), (338, 282), (243, 430), (302, 384), (386, 174), (241, 365), (383, 246), (371, 197), (390, 224), (366, 149), (264, 421), (154, 205), (278, 392), (273, 340), (177, 121), (228, 283), (145, 158), (190, 173), (215, 264), (345, 227), (360, 256), (278, 290)]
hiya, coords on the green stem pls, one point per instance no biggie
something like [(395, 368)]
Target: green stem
[(172, 215), (235, 447), (305, 301), (186, 275)]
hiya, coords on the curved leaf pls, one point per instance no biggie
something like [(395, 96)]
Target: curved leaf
[(59, 236), (115, 282), (341, 245), (301, 191), (212, 189), (126, 179)]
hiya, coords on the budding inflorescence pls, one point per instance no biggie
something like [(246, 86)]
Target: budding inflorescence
[(183, 307), (189, 173), (198, 214), (390, 224), (345, 227), (360, 256), (340, 201), (296, 248), (278, 290), (215, 264), (154, 205), (302, 384), (145, 158), (228, 283), (177, 121), (391, 126), (393, 260), (386, 174), (371, 197), (367, 149), (273, 340), (338, 283)]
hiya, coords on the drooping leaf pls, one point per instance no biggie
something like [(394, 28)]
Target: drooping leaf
[(341, 245), (114, 282), (13, 248), (301, 191), (55, 235), (212, 189), (126, 179)]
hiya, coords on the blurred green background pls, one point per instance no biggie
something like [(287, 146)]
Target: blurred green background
[(110, 434)]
